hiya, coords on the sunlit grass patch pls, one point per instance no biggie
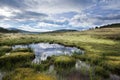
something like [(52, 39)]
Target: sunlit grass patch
[(113, 66), (22, 50), (27, 74), (64, 61), (15, 54), (114, 58)]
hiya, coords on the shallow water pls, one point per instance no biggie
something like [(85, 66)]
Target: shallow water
[(78, 66), (74, 73), (43, 50), (1, 75), (114, 77)]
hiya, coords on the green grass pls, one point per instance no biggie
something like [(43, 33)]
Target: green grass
[(22, 50), (95, 43), (4, 49), (14, 60), (27, 74), (64, 61)]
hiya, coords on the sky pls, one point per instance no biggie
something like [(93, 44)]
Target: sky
[(49, 15)]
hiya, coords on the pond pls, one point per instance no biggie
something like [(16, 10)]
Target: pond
[(43, 50), (78, 71)]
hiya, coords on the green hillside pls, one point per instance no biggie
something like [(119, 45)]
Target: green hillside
[(3, 30), (117, 25)]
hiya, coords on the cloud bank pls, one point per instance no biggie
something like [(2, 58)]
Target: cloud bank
[(48, 15)]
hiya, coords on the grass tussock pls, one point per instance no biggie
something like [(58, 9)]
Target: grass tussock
[(14, 60), (4, 49), (64, 61), (27, 74)]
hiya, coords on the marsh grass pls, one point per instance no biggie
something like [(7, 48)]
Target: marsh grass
[(4, 49), (14, 60), (27, 74), (40, 67), (23, 50), (64, 61), (101, 46)]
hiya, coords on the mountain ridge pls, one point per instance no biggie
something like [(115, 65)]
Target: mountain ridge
[(15, 30)]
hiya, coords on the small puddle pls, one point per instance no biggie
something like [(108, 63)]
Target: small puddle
[(43, 50)]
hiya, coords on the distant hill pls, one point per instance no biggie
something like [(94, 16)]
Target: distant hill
[(116, 25), (15, 30), (61, 30), (3, 30), (64, 30), (21, 31)]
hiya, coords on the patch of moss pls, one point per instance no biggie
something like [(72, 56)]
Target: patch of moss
[(8, 62), (64, 61)]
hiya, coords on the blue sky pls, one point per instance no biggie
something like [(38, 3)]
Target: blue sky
[(48, 15)]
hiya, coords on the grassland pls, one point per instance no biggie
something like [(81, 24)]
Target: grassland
[(101, 46)]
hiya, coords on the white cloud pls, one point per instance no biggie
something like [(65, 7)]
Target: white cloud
[(5, 12), (4, 25), (82, 20), (57, 6), (110, 4), (32, 29), (88, 13), (43, 24)]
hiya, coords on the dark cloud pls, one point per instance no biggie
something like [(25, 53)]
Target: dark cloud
[(28, 15), (112, 17), (59, 14), (55, 4), (22, 3), (2, 17), (56, 22), (80, 2), (13, 3)]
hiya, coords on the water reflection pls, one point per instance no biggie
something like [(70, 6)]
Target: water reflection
[(1, 75), (80, 65), (80, 71), (43, 50)]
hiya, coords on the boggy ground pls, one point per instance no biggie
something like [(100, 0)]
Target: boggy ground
[(102, 46)]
